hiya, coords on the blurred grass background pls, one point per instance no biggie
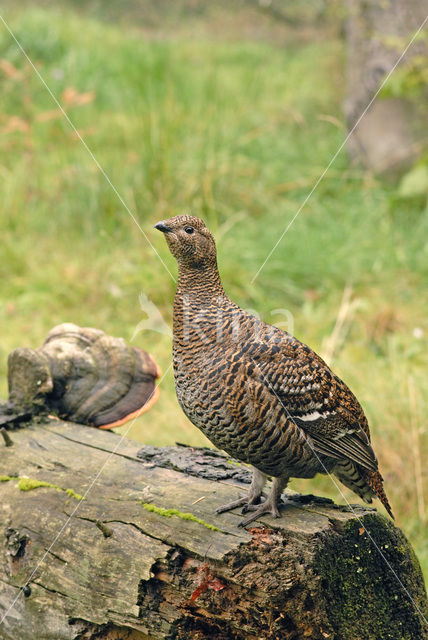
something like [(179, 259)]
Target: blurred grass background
[(226, 114)]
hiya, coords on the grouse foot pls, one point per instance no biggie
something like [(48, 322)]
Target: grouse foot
[(270, 506), (252, 501), (267, 507), (246, 501), (256, 491)]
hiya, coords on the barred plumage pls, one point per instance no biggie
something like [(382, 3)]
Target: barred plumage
[(256, 391)]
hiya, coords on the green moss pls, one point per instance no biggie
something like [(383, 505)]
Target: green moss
[(73, 494), (28, 484), (168, 513), (364, 597)]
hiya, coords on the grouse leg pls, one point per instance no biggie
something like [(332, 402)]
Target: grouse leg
[(253, 498), (270, 505)]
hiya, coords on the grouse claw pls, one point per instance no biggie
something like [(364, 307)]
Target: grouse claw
[(257, 511), (244, 501)]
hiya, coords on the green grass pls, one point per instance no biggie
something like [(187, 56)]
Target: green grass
[(236, 132)]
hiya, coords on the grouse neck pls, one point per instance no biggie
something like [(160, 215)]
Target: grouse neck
[(199, 283)]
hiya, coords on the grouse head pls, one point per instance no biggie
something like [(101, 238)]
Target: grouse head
[(189, 241)]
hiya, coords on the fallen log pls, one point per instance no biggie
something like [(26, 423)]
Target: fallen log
[(101, 540)]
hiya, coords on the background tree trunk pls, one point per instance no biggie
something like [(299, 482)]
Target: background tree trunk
[(393, 133), (125, 567)]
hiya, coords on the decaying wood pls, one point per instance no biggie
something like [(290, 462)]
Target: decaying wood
[(117, 570)]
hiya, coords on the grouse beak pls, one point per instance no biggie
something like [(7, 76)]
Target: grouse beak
[(160, 226)]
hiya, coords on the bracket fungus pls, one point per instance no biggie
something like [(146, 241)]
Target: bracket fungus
[(82, 375)]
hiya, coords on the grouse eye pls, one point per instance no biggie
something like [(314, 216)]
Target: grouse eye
[(189, 230)]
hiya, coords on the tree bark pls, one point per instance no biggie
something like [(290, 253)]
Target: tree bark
[(392, 134), (118, 564)]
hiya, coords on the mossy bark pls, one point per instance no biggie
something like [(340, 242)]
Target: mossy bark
[(176, 570), (377, 560)]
